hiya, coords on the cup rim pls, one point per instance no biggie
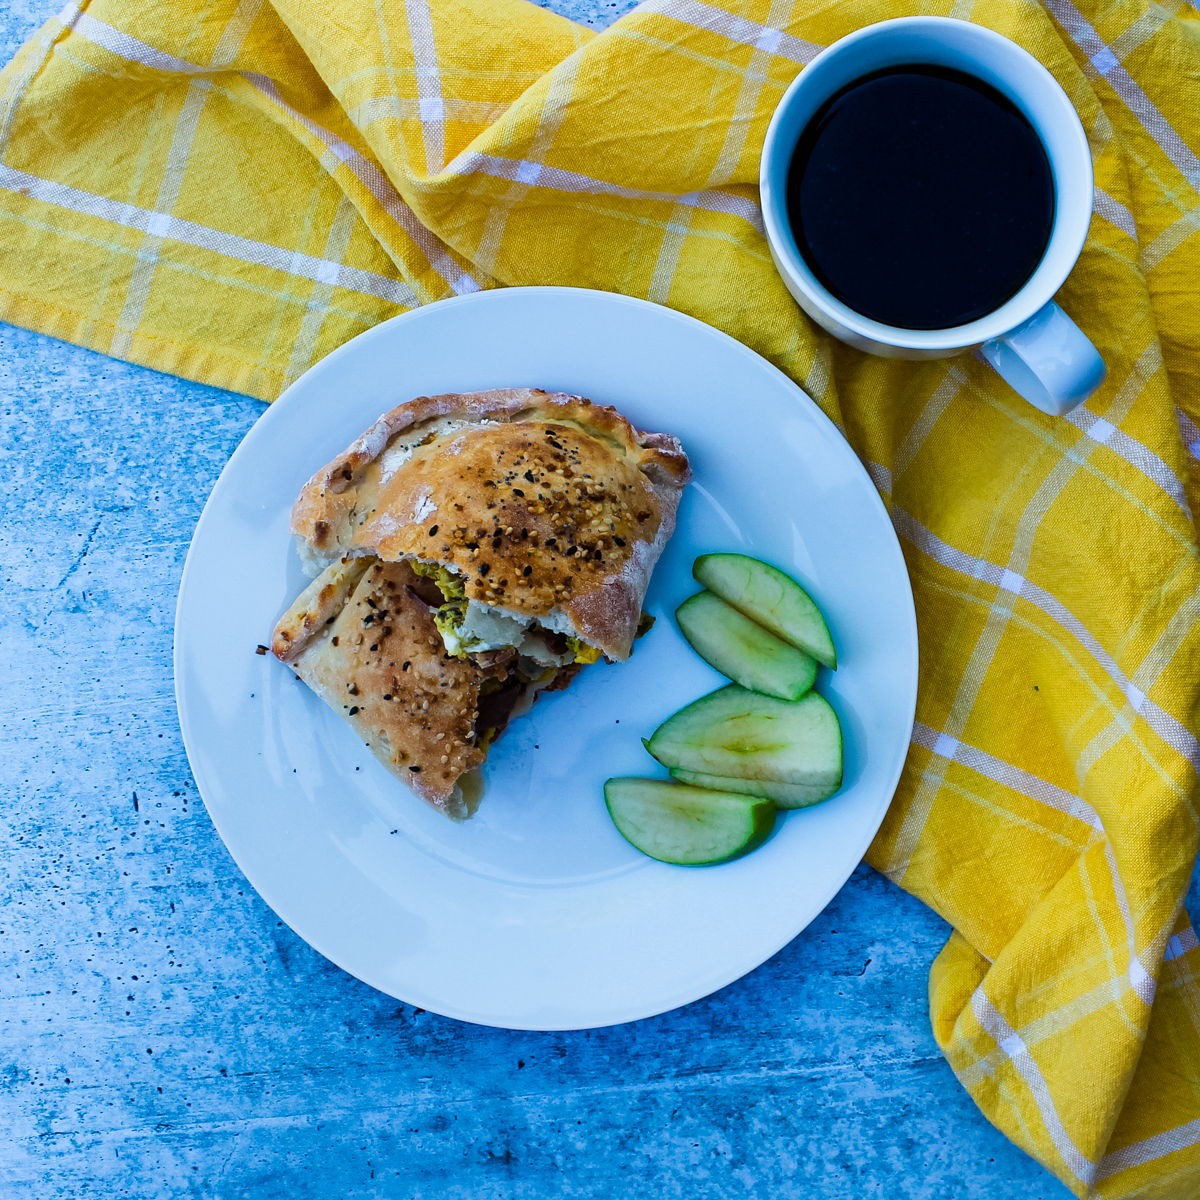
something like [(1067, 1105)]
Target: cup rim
[(1068, 233)]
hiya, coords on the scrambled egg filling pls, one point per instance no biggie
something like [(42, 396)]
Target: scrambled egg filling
[(582, 651), (468, 627), (449, 619), (449, 584)]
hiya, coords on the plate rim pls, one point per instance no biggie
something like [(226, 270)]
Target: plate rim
[(593, 296)]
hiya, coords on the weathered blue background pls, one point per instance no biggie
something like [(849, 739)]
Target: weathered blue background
[(164, 1035)]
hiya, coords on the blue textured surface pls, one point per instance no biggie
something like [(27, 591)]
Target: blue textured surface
[(164, 1035)]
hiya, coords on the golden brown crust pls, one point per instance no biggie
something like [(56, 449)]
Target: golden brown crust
[(316, 607), (380, 665), (544, 504)]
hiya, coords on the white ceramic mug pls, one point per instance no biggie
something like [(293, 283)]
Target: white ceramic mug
[(1030, 341)]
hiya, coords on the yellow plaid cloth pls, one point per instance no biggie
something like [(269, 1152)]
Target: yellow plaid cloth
[(228, 190)]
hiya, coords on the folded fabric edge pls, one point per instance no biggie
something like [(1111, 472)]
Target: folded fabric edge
[(1133, 1167), (194, 363)]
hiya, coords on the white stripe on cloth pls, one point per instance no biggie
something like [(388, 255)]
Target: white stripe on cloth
[(735, 28), (1115, 213), (142, 277), (1133, 452), (1180, 944), (236, 32), (367, 173), (1179, 627), (1106, 63), (1140, 981), (553, 113), (670, 250), (408, 108), (18, 84), (1007, 774), (1011, 579), (746, 106), (1137, 34), (118, 42), (881, 477), (737, 129), (1172, 731), (203, 237), (562, 180), (999, 613), (1011, 776), (1057, 1020), (429, 83), (1050, 794), (317, 308), (1009, 1041), (1189, 432), (378, 184), (1140, 1153), (1170, 240), (935, 407)]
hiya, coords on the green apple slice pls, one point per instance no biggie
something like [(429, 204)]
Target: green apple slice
[(772, 599), (785, 795), (743, 650), (692, 827), (739, 734)]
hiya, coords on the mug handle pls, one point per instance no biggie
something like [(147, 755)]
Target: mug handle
[(1048, 360)]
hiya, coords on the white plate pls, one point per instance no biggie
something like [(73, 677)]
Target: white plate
[(536, 914)]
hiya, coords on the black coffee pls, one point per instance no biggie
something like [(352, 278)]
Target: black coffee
[(920, 197)]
